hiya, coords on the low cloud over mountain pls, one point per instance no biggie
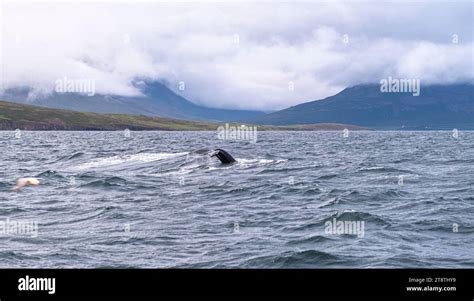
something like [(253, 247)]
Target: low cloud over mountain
[(263, 56)]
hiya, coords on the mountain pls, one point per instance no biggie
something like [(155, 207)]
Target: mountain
[(157, 100), (437, 107)]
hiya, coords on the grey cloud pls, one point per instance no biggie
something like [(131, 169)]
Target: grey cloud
[(279, 43)]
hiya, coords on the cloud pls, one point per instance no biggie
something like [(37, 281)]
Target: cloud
[(237, 54)]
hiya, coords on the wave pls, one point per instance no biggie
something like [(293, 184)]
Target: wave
[(106, 183), (381, 169), (295, 259), (350, 215), (329, 202), (312, 192), (15, 256), (328, 176), (309, 240), (346, 215), (288, 169), (117, 160), (248, 163), (50, 174), (258, 161), (6, 185), (76, 155)]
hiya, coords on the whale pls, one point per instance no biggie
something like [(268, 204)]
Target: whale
[(219, 153), (223, 156)]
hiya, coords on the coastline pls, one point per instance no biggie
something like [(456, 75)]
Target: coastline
[(34, 118)]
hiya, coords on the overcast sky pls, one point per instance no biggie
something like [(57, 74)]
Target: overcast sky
[(238, 54)]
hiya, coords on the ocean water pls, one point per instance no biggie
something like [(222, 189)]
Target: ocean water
[(145, 201)]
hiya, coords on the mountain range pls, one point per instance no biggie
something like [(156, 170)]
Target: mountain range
[(156, 100), (15, 116), (437, 107)]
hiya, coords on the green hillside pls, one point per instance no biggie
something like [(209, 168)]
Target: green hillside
[(26, 117)]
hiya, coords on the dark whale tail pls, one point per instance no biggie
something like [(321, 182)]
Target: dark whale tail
[(220, 154), (223, 156)]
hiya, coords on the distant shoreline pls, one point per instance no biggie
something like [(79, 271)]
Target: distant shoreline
[(15, 116), (34, 118)]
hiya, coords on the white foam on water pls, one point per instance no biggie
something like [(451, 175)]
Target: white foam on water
[(373, 168), (116, 160), (249, 163)]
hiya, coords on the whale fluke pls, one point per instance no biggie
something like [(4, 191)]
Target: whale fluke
[(223, 156)]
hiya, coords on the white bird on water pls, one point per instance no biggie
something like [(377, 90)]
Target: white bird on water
[(25, 181)]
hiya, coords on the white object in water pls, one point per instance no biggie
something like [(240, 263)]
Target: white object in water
[(25, 181)]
